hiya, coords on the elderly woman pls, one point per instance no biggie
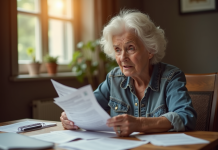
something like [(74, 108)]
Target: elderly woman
[(142, 94)]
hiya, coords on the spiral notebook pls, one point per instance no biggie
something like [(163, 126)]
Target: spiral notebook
[(26, 126)]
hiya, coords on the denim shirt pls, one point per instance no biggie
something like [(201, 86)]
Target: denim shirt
[(166, 95)]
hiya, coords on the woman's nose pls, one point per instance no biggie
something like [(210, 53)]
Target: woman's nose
[(123, 56)]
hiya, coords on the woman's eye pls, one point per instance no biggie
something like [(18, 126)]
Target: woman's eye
[(117, 50), (131, 49)]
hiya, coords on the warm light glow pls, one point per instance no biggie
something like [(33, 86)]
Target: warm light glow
[(59, 4), (60, 8)]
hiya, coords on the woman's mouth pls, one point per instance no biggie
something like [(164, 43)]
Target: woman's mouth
[(127, 67)]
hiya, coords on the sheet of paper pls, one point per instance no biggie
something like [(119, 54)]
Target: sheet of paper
[(86, 135), (132, 134), (171, 139), (56, 137), (83, 109), (69, 135), (103, 144), (61, 89), (14, 127)]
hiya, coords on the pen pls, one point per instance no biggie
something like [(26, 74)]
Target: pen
[(32, 127)]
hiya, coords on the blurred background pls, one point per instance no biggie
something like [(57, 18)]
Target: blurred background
[(55, 27)]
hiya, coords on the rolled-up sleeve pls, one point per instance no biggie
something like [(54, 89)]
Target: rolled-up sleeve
[(181, 113), (175, 120)]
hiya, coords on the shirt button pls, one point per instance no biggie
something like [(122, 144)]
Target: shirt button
[(116, 108), (136, 104), (143, 105)]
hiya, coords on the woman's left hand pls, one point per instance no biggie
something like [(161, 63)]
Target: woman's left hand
[(124, 124)]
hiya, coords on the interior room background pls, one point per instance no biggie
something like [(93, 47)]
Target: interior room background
[(192, 46)]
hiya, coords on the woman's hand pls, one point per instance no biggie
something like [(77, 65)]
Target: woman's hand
[(67, 124), (125, 124)]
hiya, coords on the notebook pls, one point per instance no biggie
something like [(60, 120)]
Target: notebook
[(12, 141)]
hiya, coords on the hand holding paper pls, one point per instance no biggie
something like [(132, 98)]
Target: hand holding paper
[(82, 108), (67, 124)]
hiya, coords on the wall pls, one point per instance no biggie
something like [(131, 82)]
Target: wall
[(192, 38), (87, 19)]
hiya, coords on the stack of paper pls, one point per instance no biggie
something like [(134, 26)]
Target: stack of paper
[(82, 107)]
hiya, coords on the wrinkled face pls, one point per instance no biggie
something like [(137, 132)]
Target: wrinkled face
[(131, 54)]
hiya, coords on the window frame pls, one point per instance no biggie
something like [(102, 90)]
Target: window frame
[(39, 28), (19, 69)]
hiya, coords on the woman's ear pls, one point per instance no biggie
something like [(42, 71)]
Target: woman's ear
[(150, 55)]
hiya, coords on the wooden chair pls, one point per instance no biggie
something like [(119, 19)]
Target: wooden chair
[(203, 89)]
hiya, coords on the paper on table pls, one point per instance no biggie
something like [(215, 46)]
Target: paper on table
[(14, 127), (171, 139), (69, 135), (113, 132), (83, 109), (86, 135), (62, 89), (56, 137), (104, 143)]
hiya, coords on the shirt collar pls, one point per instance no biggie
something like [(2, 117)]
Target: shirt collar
[(154, 82), (126, 82)]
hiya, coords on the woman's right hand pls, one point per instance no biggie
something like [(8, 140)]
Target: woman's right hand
[(67, 124)]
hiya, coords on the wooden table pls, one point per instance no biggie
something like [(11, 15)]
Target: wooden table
[(210, 136)]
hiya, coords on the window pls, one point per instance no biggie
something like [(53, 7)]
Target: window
[(47, 27)]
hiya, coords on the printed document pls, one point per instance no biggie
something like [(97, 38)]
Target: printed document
[(171, 139), (103, 144), (87, 135), (69, 135), (82, 108), (56, 137), (61, 89)]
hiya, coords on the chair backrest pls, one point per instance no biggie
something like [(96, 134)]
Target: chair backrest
[(203, 89)]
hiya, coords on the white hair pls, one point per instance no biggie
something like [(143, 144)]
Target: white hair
[(152, 36)]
